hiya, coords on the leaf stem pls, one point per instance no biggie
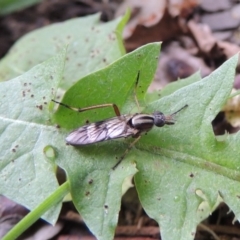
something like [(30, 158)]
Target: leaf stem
[(34, 215)]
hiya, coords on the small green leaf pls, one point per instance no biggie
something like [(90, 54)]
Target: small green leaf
[(88, 40), (114, 84), (8, 6)]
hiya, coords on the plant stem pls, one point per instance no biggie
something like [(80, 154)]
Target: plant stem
[(34, 215)]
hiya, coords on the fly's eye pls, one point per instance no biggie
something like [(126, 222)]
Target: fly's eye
[(159, 119)]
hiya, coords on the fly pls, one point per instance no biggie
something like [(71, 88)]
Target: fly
[(121, 126)]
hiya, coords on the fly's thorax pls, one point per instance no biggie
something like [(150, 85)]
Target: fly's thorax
[(142, 122)]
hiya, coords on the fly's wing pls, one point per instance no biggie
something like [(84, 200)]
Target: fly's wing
[(112, 128)]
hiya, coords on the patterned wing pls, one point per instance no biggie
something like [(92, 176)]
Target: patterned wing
[(112, 128)]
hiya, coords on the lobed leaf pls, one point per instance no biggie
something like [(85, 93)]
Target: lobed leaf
[(184, 170), (27, 170)]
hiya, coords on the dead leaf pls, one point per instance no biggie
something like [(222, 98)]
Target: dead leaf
[(232, 110), (149, 13)]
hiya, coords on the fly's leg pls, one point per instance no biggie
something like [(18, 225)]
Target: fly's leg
[(126, 152), (114, 106), (135, 91)]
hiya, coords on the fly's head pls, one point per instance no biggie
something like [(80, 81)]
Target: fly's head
[(160, 119)]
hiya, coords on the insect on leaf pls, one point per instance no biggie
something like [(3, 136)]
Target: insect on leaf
[(95, 186)]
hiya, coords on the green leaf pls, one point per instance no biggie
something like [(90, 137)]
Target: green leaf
[(88, 40), (95, 187), (8, 6), (184, 170), (27, 170)]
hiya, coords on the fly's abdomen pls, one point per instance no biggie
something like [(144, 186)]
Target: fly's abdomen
[(112, 128)]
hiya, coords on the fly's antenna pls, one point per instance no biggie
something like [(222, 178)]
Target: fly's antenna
[(169, 119), (135, 91), (173, 114), (62, 104)]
